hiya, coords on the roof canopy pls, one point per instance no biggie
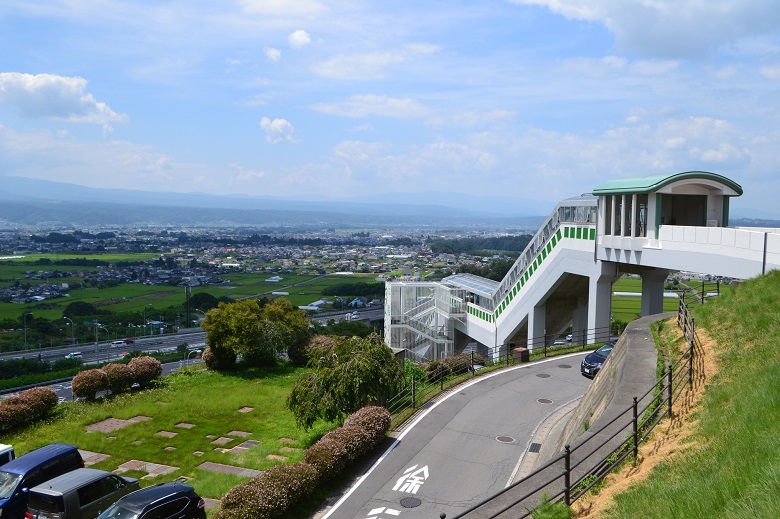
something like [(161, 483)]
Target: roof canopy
[(654, 183)]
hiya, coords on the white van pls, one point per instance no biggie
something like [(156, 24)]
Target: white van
[(117, 343), (6, 453), (73, 355)]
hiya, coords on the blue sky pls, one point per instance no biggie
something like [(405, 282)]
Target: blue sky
[(541, 99)]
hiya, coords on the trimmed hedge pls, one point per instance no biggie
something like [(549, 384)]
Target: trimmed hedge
[(271, 494), (119, 377), (26, 407), (87, 384), (145, 370)]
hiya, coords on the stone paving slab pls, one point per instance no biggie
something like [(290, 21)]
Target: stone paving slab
[(185, 425), (240, 434), (246, 409), (113, 424), (222, 440), (229, 469), (167, 434), (90, 458), (152, 469), (276, 457)]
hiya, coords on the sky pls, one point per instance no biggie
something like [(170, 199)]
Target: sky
[(316, 99)]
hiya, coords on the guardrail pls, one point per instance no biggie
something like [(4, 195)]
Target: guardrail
[(569, 475), (449, 372)]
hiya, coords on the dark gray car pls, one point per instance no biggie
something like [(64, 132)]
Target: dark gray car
[(79, 494)]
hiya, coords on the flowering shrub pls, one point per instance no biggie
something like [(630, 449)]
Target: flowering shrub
[(270, 494), (356, 440), (328, 456), (145, 370), (374, 419), (436, 370), (120, 377), (26, 407), (87, 383)]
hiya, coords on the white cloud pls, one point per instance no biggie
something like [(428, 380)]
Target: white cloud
[(370, 66), (282, 8), (672, 28), (55, 97), (272, 53), (374, 105), (277, 130), (770, 72), (299, 39)]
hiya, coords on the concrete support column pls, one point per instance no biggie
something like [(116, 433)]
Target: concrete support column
[(600, 301), (653, 291), (579, 321), (536, 324)]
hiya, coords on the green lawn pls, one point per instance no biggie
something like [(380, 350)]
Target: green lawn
[(209, 400), (731, 465)]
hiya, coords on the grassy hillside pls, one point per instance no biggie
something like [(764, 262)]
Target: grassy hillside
[(731, 468)]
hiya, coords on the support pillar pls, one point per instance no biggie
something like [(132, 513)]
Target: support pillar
[(600, 301), (579, 321), (653, 291), (536, 324)]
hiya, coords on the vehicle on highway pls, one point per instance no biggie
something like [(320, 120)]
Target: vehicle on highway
[(31, 470), (172, 500), (78, 494), (117, 343), (73, 355), (592, 364), (128, 341)]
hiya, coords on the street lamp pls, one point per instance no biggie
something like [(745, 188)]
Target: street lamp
[(24, 318), (145, 317), (72, 339), (187, 359)]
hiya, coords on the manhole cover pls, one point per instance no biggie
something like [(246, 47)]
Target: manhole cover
[(535, 447), (410, 502), (564, 366), (505, 439), (544, 401), (543, 375)]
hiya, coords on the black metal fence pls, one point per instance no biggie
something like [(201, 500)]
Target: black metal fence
[(446, 373), (569, 475)]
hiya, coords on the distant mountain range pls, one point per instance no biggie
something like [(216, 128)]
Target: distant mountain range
[(41, 203)]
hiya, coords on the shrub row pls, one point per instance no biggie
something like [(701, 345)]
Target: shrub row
[(26, 407), (455, 365), (116, 377), (271, 494)]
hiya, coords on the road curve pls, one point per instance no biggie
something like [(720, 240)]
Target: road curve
[(464, 448)]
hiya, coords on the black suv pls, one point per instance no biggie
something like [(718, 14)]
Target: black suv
[(162, 501)]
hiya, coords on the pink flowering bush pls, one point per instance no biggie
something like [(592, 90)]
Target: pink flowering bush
[(26, 407), (145, 370), (88, 383), (120, 377)]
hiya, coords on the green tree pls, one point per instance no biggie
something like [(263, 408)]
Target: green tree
[(242, 328), (298, 333), (346, 374)]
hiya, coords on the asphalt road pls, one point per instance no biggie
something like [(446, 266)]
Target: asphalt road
[(467, 447)]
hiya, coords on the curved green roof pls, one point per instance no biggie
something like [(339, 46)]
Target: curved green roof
[(654, 183)]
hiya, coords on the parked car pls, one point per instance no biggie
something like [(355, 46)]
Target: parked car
[(172, 500), (31, 470), (6, 453), (591, 364), (78, 494)]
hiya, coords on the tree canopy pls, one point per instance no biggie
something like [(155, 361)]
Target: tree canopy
[(346, 374)]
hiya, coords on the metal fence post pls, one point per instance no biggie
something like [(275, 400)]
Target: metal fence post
[(670, 392), (567, 477), (414, 394), (472, 364), (636, 430)]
